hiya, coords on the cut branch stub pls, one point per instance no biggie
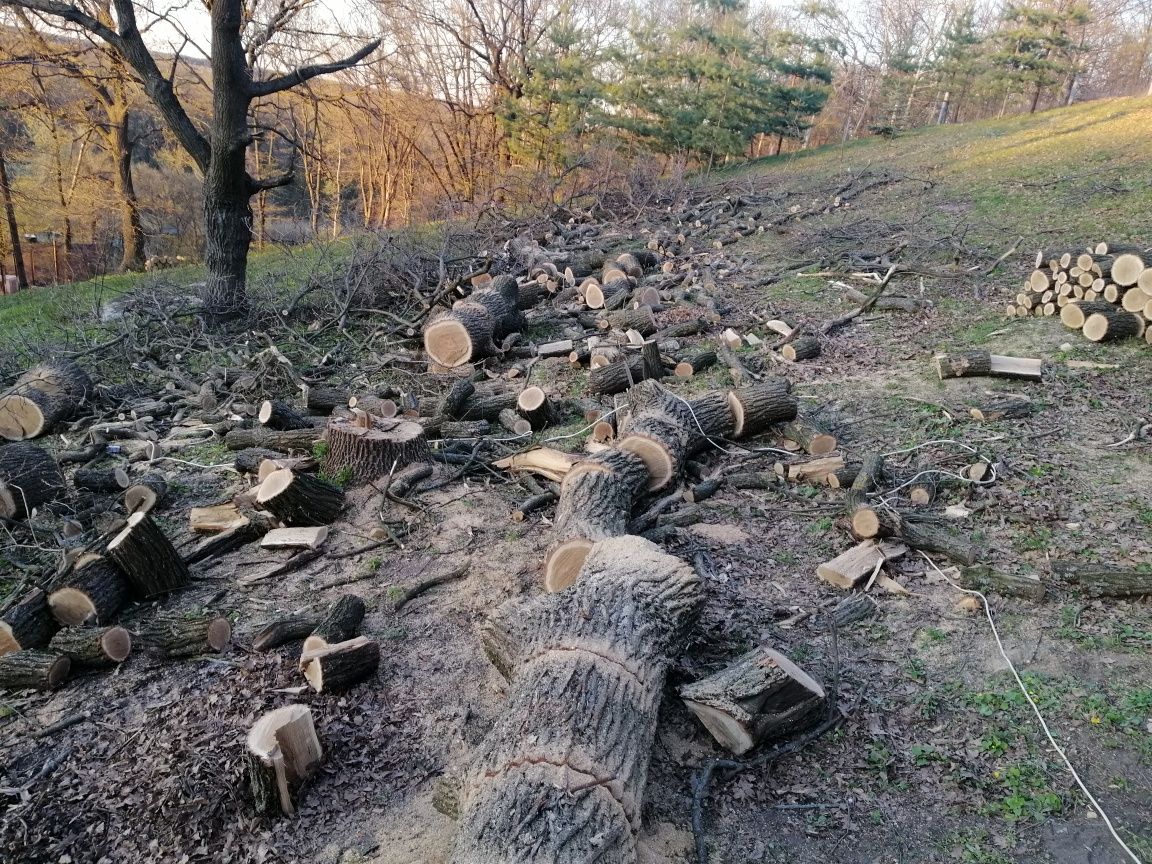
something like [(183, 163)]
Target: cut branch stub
[(560, 776), (41, 398), (92, 593), (29, 477), (283, 752), (299, 499), (147, 558), (373, 448)]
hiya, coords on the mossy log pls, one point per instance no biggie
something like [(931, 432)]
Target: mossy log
[(560, 775), (92, 593), (29, 477), (300, 499), (95, 647), (149, 562)]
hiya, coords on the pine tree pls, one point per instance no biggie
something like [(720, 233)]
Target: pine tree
[(1036, 47)]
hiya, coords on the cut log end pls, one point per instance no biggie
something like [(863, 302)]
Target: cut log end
[(564, 563), (448, 343), (21, 418), (334, 668), (657, 458), (283, 751)]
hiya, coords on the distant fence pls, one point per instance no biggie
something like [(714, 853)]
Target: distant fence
[(50, 264)]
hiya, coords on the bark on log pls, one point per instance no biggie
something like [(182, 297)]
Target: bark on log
[(29, 477), (617, 377), (405, 481), (974, 364), (761, 697), (92, 593), (27, 624), (99, 479), (335, 668), (801, 348), (95, 647), (981, 577), (324, 400), (1074, 314), (151, 565), (340, 624), (560, 777), (249, 460), (514, 423), (453, 402), (641, 320), (1104, 580), (283, 751), (812, 436), (41, 398), (1112, 324), (534, 405), (173, 635), (294, 439), (145, 494), (470, 330), (371, 447), (758, 406), (694, 363), (928, 535), (283, 630), (281, 416), (32, 670), (300, 499), (1002, 408)]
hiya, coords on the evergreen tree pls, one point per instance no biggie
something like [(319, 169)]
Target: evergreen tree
[(1036, 47)]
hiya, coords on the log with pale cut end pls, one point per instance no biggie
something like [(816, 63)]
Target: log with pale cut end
[(271, 440), (41, 398), (100, 479), (250, 459), (608, 295), (1003, 408), (596, 499), (283, 751), (801, 348), (1127, 269), (618, 376), (149, 562), (922, 490), (27, 623), (850, 568), (842, 478), (641, 320), (559, 777), (1039, 281), (761, 697), (337, 667), (711, 414), (1134, 300), (1105, 580), (1076, 313), (95, 647), (514, 423), (1144, 282), (459, 336), (146, 494), (535, 406), (323, 400), (29, 477), (972, 364), (695, 363), (340, 624), (174, 635), (92, 593), (370, 447), (812, 436), (869, 522), (661, 442), (31, 669), (630, 265), (281, 416), (377, 407), (300, 499), (756, 407), (1113, 324)]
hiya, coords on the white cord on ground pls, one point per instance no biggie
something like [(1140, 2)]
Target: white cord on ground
[(1035, 710)]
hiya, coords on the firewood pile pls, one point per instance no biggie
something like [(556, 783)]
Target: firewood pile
[(1104, 292)]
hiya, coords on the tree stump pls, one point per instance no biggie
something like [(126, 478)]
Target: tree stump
[(41, 398), (760, 697), (96, 647), (27, 624), (92, 593), (150, 563), (335, 668), (172, 635), (299, 499), (29, 477), (32, 670), (371, 447), (283, 751), (340, 624)]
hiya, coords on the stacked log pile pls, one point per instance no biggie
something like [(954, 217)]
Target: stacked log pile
[(1104, 292)]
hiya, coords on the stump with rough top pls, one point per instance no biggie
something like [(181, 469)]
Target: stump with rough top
[(371, 447)]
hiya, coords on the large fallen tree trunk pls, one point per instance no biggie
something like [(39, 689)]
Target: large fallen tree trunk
[(29, 477), (560, 777), (41, 398)]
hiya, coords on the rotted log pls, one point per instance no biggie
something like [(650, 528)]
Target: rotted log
[(146, 494), (801, 348), (94, 647), (370, 447), (340, 624), (92, 593), (172, 635), (31, 669), (300, 499), (283, 441), (553, 780), (761, 697), (337, 667), (28, 623), (29, 477), (282, 752), (534, 405), (281, 416), (42, 397), (149, 562)]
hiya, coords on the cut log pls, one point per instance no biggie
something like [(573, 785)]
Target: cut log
[(758, 406), (281, 416), (842, 478), (761, 697), (27, 623), (172, 635), (811, 435), (145, 494), (612, 293), (617, 377), (377, 407), (405, 481), (973, 364), (1076, 313), (922, 490), (1003, 408), (928, 535), (1127, 269), (849, 569), (323, 400), (151, 565), (560, 776), (371, 447), (215, 519), (233, 538), (630, 265), (981, 577), (295, 538), (283, 751), (470, 330), (1132, 301), (452, 403), (596, 499), (460, 430), (487, 405), (1113, 324), (869, 522), (640, 319), (514, 423), (29, 477), (285, 441), (283, 630), (32, 670), (340, 624), (41, 398), (810, 470), (1099, 580), (335, 668), (695, 363), (92, 593), (534, 405), (95, 647), (801, 348), (299, 499), (100, 479), (250, 459)]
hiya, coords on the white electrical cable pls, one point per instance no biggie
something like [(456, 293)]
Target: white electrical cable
[(1035, 710)]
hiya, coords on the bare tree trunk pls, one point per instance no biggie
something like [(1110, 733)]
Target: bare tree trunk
[(1036, 98), (131, 228), (13, 228)]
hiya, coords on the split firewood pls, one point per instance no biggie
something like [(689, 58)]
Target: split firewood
[(1102, 580), (215, 518), (42, 397), (731, 339), (811, 470), (526, 795), (145, 494), (370, 447), (534, 405), (31, 669), (336, 667), (812, 436), (282, 417), (285, 441), (470, 330), (1003, 408), (295, 538), (92, 593), (543, 461), (283, 751), (95, 647), (761, 697), (174, 635), (29, 477), (340, 624), (974, 364), (849, 569), (801, 348), (28, 623), (300, 499), (150, 563)]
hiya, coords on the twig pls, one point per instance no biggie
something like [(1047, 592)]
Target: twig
[(1007, 254), (61, 725), (828, 326), (420, 587)]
